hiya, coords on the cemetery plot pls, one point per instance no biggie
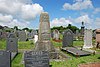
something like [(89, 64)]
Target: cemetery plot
[(36, 59)]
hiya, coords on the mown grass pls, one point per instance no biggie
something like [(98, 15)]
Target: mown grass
[(3, 44), (17, 62), (21, 44), (25, 45), (72, 62)]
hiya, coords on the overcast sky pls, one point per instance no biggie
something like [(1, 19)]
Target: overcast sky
[(25, 13)]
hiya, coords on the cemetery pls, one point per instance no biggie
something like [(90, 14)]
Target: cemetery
[(39, 49)]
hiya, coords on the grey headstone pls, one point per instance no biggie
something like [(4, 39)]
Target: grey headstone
[(36, 59), (0, 35), (33, 32), (22, 36), (12, 43), (67, 38), (5, 59), (94, 34), (44, 42)]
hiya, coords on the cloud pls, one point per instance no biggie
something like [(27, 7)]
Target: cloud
[(84, 18), (97, 22), (22, 11), (60, 22), (97, 10), (5, 18), (29, 12), (78, 5)]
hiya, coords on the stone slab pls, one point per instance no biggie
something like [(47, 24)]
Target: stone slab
[(76, 52)]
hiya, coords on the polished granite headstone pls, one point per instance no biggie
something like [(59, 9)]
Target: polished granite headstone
[(36, 59), (5, 59)]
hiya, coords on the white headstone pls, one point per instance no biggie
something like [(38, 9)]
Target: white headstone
[(35, 38), (88, 38), (56, 34)]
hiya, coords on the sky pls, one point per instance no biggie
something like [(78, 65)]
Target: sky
[(26, 13)]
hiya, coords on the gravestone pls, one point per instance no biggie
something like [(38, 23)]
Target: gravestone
[(44, 42), (77, 33), (35, 38), (33, 32), (56, 34), (88, 38), (29, 35), (98, 38), (36, 59), (74, 37), (94, 34), (51, 34), (67, 38), (22, 35), (5, 59), (4, 35), (12, 43), (98, 35), (0, 34)]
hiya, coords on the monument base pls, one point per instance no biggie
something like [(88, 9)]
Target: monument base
[(46, 46)]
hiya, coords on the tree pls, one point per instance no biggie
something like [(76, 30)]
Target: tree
[(16, 27), (26, 29)]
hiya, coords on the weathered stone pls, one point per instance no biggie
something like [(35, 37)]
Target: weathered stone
[(88, 38), (98, 38), (22, 35), (67, 38), (12, 43), (44, 42)]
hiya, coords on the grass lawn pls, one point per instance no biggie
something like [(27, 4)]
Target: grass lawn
[(21, 45), (72, 62)]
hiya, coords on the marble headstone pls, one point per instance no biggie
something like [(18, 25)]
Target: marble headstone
[(67, 38), (88, 38), (56, 34), (35, 38)]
